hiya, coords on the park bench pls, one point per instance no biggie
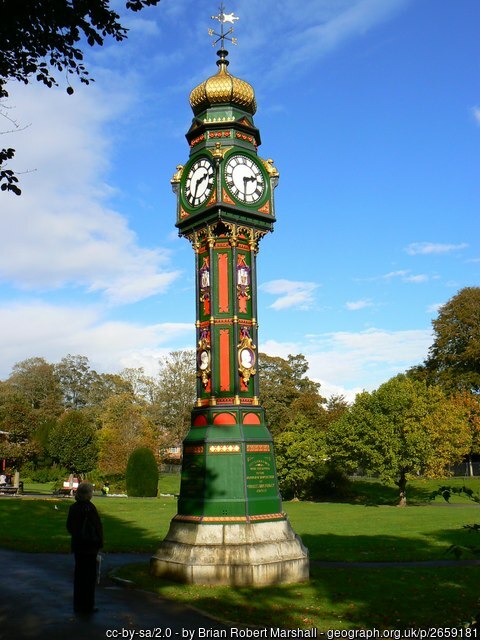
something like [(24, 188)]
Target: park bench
[(68, 488), (9, 489)]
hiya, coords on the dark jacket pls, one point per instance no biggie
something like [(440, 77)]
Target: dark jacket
[(75, 520)]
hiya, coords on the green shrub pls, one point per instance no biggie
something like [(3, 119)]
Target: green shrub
[(332, 484), (45, 474), (142, 474)]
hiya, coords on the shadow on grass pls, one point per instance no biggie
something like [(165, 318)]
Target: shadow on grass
[(39, 525), (375, 493), (339, 598)]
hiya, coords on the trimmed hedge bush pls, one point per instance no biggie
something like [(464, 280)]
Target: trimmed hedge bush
[(142, 474)]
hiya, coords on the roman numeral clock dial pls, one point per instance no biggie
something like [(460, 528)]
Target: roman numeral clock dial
[(244, 179), (199, 182)]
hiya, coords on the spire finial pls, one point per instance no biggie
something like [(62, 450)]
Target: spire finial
[(223, 35)]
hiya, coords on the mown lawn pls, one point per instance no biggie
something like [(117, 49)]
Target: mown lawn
[(365, 528), (337, 598)]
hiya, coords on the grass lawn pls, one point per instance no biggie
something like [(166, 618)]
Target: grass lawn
[(331, 531), (169, 483), (367, 528), (337, 598)]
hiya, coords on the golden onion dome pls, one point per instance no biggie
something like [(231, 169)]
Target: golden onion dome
[(223, 88)]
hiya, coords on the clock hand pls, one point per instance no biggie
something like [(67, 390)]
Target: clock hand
[(245, 180), (198, 183), (200, 180)]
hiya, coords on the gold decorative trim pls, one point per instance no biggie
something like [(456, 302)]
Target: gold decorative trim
[(258, 448), (224, 448), (271, 170), (204, 356), (246, 356), (219, 152), (177, 176)]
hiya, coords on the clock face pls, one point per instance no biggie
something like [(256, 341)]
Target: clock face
[(244, 179), (199, 182)]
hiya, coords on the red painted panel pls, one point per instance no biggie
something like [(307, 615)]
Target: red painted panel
[(224, 360), (224, 418), (200, 421), (223, 288), (251, 418)]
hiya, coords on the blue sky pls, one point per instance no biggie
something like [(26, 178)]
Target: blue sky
[(371, 112)]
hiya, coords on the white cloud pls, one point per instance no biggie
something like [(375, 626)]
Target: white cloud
[(434, 308), (476, 114), (358, 304), (342, 360), (429, 248), (140, 26), (405, 275), (395, 274), (325, 26), (417, 279), (39, 329), (291, 294), (61, 231)]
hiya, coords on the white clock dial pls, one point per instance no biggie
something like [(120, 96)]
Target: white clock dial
[(199, 182), (244, 179)]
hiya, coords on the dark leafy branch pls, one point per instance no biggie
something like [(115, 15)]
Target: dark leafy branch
[(41, 38)]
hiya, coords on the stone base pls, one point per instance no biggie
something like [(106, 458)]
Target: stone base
[(235, 554)]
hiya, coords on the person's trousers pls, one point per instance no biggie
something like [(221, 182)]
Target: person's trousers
[(84, 582)]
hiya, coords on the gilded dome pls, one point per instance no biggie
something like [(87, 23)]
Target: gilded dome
[(223, 88)]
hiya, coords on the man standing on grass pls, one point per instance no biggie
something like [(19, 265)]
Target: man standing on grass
[(85, 527)]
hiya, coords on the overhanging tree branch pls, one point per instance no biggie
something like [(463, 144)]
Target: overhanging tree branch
[(39, 38)]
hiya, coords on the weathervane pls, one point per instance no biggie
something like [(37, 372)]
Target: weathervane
[(223, 35)]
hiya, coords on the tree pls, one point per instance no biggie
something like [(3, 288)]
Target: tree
[(176, 394), (75, 378), (285, 389), (124, 427), (300, 455), (336, 407), (39, 38), (469, 404), (29, 404), (35, 381), (402, 429), (73, 442), (454, 357), (19, 421), (102, 386), (143, 387)]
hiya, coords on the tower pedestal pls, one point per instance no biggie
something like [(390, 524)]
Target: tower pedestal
[(253, 554)]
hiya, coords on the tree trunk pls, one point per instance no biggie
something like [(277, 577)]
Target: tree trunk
[(402, 486)]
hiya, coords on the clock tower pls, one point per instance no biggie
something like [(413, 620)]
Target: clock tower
[(230, 527)]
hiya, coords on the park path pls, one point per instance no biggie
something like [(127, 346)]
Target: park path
[(36, 603), (36, 600)]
